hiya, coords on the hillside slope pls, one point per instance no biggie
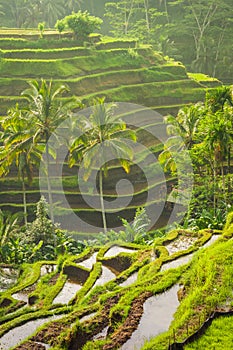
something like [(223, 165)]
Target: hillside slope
[(121, 72)]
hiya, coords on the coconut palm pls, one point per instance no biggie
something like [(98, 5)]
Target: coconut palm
[(73, 5), (52, 10), (47, 110), (182, 131), (103, 133), (18, 148)]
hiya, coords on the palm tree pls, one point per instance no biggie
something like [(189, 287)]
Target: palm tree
[(18, 148), (218, 98), (47, 110), (182, 131), (73, 5), (218, 140), (8, 228), (103, 133), (52, 10)]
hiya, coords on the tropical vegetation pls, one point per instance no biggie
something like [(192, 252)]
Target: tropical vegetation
[(57, 87)]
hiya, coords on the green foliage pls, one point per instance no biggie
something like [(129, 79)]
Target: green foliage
[(60, 25), (41, 27), (218, 335), (8, 230), (81, 23), (137, 231)]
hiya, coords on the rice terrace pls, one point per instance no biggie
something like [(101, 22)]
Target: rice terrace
[(116, 185)]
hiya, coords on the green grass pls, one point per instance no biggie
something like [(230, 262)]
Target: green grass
[(218, 336), (208, 284)]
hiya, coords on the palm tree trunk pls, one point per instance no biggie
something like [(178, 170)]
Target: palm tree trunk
[(228, 168), (49, 184), (102, 200), (223, 183), (24, 202)]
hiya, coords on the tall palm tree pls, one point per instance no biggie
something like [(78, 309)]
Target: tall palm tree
[(103, 133), (52, 10), (218, 139), (47, 110), (182, 131), (18, 148)]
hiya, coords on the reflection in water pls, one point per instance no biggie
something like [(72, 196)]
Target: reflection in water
[(176, 263), (18, 334), (157, 315), (20, 296), (89, 262), (211, 240), (67, 293), (8, 278), (181, 243), (130, 280), (185, 259), (105, 277), (115, 250)]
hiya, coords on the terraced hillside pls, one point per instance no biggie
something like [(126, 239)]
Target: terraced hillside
[(120, 71), (123, 296)]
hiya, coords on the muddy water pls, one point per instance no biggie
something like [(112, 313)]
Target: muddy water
[(89, 262), (18, 334), (130, 280), (67, 293), (185, 259), (157, 315), (105, 277), (115, 250)]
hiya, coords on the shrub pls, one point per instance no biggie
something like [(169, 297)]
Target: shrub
[(81, 23)]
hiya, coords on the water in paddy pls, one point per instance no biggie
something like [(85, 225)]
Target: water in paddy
[(87, 317), (102, 334), (89, 262), (106, 276), (67, 293), (130, 280), (157, 315), (176, 263), (211, 240), (186, 258), (115, 250), (21, 296), (18, 334), (47, 269), (8, 278)]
